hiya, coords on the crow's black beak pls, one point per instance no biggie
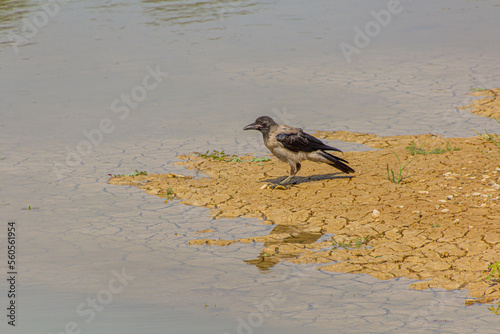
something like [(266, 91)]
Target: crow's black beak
[(252, 126)]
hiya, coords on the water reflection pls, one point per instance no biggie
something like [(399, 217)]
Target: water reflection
[(297, 236), (186, 12)]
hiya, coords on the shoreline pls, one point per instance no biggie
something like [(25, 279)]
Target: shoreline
[(439, 225)]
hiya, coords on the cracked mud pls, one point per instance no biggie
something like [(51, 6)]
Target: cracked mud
[(489, 105), (440, 225)]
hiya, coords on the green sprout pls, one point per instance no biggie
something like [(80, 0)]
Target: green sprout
[(492, 138), (220, 156), (494, 272), (131, 174), (392, 176), (215, 155), (357, 243), (138, 173), (413, 149), (263, 159), (450, 149), (169, 193)]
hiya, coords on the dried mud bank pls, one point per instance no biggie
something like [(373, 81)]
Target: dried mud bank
[(440, 225), (489, 105)]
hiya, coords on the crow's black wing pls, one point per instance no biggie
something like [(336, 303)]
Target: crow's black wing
[(319, 144), (293, 142), (301, 141)]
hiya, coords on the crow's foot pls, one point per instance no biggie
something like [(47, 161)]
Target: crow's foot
[(274, 186)]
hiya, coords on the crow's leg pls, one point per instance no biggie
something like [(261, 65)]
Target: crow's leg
[(294, 169)]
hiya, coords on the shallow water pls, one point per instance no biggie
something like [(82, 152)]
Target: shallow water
[(227, 63)]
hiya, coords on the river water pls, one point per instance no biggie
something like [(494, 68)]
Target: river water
[(91, 88)]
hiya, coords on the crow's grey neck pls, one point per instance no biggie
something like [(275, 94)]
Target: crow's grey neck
[(265, 133)]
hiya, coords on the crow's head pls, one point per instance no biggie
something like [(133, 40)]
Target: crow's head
[(263, 124)]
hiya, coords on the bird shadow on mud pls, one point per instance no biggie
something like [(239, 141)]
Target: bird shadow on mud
[(311, 178)]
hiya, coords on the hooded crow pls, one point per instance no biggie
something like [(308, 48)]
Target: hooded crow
[(292, 145)]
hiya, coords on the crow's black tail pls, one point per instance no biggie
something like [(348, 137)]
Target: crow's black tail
[(336, 162)]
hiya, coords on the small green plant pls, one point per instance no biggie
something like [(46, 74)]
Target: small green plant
[(131, 174), (339, 244), (492, 138), (360, 242), (475, 89), (413, 149), (357, 243), (142, 172), (450, 149), (222, 156), (437, 150), (215, 155), (169, 193), (396, 177), (263, 159), (432, 225), (494, 272)]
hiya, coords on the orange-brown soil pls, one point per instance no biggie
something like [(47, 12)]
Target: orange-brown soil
[(489, 105), (440, 225)]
